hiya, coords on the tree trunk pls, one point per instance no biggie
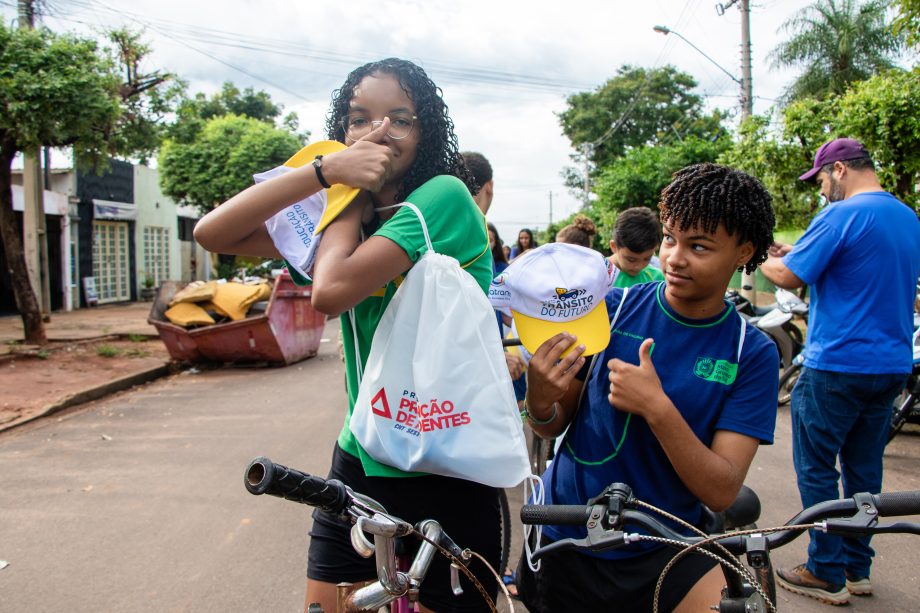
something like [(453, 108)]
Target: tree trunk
[(26, 301)]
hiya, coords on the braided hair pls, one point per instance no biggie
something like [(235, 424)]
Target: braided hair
[(438, 152), (706, 195)]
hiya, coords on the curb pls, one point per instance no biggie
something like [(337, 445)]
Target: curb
[(95, 393)]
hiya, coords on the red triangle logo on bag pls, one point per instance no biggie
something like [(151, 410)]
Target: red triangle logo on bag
[(384, 409)]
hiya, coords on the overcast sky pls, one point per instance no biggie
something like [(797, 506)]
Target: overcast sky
[(506, 67)]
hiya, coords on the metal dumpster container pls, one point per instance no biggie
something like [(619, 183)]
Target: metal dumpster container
[(288, 331)]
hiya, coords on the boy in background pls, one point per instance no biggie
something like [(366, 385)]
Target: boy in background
[(636, 237)]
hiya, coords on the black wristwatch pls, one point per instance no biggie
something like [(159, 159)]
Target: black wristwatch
[(318, 167)]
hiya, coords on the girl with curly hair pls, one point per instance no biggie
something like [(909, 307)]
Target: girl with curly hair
[(401, 147)]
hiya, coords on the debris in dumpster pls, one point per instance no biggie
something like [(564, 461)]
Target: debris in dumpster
[(200, 303)]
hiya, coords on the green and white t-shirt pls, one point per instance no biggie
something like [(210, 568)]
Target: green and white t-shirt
[(646, 275), (458, 229)]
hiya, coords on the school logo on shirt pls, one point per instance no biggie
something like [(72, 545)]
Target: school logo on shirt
[(717, 371)]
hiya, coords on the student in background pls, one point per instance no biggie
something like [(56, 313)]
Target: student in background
[(481, 170), (580, 232), (525, 242), (636, 237)]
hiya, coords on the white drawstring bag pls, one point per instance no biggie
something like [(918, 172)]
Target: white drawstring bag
[(435, 395)]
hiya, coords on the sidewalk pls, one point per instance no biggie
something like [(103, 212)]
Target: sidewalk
[(81, 324), (91, 353)]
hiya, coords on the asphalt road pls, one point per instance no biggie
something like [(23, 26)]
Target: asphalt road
[(136, 503)]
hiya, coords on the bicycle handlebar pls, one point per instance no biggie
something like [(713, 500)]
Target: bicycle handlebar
[(265, 477), (886, 504)]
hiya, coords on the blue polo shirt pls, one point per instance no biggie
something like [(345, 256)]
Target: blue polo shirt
[(861, 257), (716, 378)]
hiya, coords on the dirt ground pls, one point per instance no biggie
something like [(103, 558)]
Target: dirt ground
[(32, 379)]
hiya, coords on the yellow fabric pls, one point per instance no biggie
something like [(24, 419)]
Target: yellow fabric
[(265, 292), (210, 306), (196, 291), (338, 196), (592, 330), (187, 314), (234, 299)]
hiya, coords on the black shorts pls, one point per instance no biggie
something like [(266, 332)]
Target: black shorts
[(572, 581), (468, 512)]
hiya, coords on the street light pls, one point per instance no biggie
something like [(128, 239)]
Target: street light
[(666, 30)]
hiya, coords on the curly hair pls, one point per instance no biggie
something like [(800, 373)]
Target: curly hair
[(706, 195), (580, 232), (438, 152)]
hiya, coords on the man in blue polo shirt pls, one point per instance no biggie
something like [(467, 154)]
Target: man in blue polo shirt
[(861, 257)]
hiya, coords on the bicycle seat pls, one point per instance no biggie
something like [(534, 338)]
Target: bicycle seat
[(744, 511)]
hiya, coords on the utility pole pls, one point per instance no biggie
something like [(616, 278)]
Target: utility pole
[(34, 231), (551, 208), (748, 280), (747, 89)]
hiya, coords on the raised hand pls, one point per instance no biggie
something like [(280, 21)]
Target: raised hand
[(635, 389), (365, 164), (550, 373)]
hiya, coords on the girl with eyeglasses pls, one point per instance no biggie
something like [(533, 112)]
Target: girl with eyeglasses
[(401, 147)]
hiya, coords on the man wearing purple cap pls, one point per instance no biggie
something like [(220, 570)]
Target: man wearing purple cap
[(861, 257)]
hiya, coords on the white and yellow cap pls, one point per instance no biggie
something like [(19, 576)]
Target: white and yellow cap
[(295, 230), (557, 288), (338, 196)]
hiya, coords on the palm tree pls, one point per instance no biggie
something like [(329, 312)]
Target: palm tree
[(837, 42)]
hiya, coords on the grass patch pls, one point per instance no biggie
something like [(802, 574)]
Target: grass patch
[(107, 351), (137, 353), (137, 338), (43, 354)]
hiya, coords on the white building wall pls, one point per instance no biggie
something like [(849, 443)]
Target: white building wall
[(154, 209)]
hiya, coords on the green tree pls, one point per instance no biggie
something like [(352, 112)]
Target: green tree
[(220, 162), (193, 113), (907, 22), (884, 114), (777, 161), (836, 42), (638, 177), (147, 99), (54, 91), (639, 106)]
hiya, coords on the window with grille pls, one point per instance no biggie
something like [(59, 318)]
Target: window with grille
[(110, 260), (156, 253)]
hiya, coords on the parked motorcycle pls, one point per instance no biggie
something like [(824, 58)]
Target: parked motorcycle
[(776, 321), (907, 404)]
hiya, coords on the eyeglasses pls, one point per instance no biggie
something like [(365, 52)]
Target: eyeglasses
[(359, 126)]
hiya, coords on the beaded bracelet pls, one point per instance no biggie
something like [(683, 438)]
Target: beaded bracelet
[(525, 414)]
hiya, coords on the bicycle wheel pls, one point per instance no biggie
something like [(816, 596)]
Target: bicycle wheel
[(786, 382), (539, 453), (505, 528)]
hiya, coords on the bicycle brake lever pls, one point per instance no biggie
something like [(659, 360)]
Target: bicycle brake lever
[(598, 539), (863, 521), (359, 542), (455, 579)]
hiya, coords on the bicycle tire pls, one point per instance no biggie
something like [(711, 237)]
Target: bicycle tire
[(505, 528), (539, 453), (786, 382)]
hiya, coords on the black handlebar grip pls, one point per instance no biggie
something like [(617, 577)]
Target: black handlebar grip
[(555, 514), (892, 504), (265, 477)]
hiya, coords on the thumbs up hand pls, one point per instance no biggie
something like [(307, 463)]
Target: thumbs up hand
[(635, 389), (365, 164)]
